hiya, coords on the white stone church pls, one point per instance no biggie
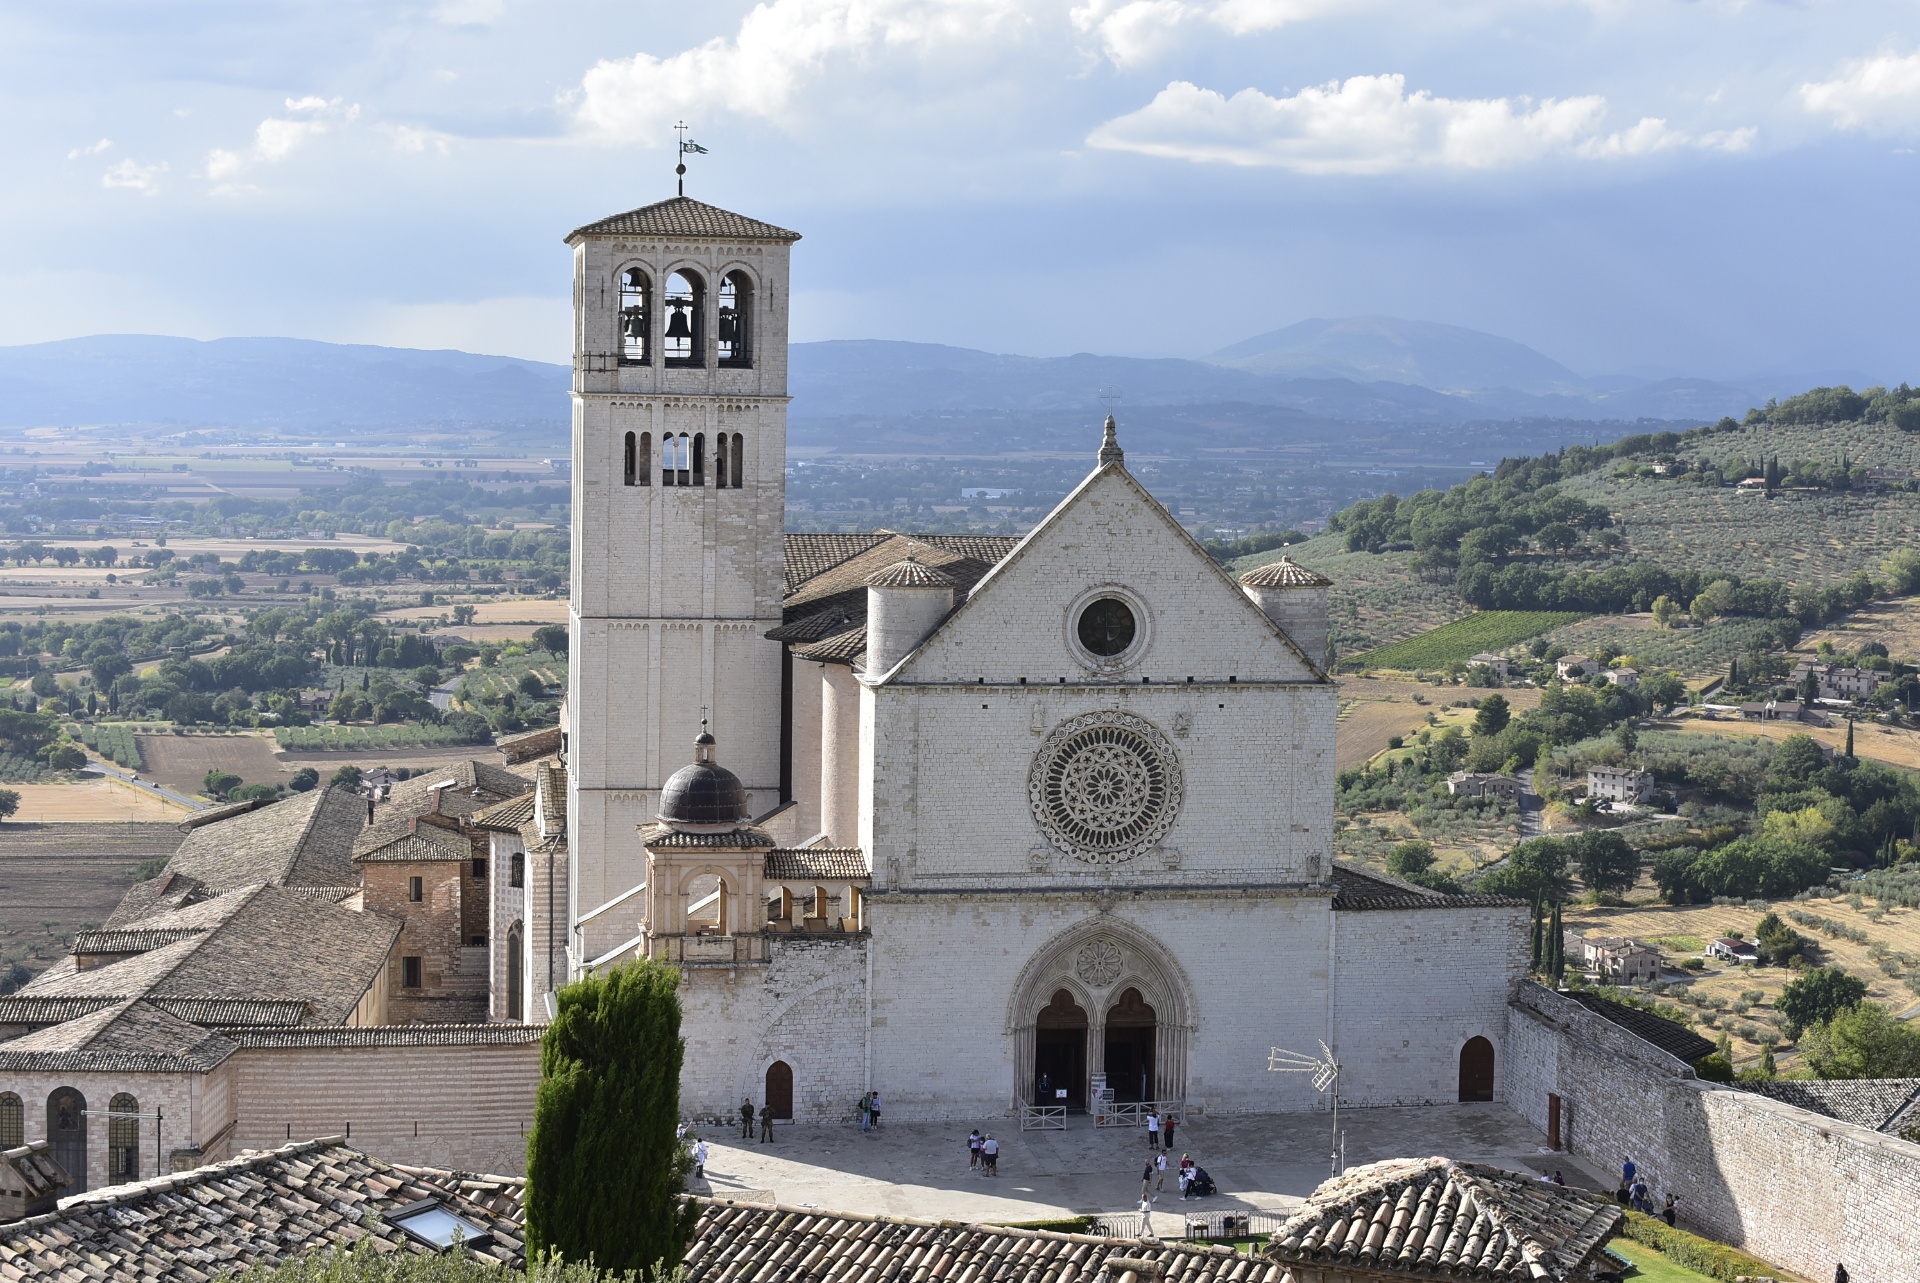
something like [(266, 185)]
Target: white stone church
[(980, 822)]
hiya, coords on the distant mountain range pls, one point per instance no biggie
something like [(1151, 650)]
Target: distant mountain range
[(1368, 369)]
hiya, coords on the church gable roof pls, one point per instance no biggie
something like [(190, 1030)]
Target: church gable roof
[(1110, 530), (128, 1037), (685, 216), (304, 841)]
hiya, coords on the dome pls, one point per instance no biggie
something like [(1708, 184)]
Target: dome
[(704, 792), (1284, 573)]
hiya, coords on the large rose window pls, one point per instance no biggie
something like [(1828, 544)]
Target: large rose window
[(1105, 786)]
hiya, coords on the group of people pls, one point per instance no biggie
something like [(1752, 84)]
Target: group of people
[(1160, 1130), (983, 1153), (746, 1121), (870, 1111), (1634, 1192)]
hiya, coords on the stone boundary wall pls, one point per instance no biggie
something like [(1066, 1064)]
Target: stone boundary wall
[(462, 1106), (1796, 1188)]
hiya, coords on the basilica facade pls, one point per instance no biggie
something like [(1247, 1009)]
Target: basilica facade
[(980, 823)]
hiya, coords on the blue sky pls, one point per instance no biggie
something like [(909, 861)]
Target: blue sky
[(1718, 188)]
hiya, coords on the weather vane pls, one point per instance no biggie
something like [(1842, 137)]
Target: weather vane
[(1326, 1073), (687, 147)]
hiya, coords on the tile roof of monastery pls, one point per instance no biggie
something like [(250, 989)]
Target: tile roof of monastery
[(1669, 1037), (1437, 1218), (449, 1035), (743, 1242), (506, 816), (528, 745), (304, 841), (257, 1209), (664, 838), (1355, 890), (685, 216), (34, 1168), (127, 1037), (841, 648), (1880, 1104), (1284, 573), (265, 940), (475, 787), (911, 573), (424, 845), (131, 939), (206, 1012), (828, 863)]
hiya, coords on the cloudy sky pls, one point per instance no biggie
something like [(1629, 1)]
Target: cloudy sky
[(1721, 187)]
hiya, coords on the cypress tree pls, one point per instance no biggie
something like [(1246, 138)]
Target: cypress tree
[(1766, 1060), (604, 1171), (1537, 965), (1558, 949), (1849, 737)]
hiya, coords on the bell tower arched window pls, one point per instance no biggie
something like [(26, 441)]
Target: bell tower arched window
[(682, 459), (699, 459), (686, 304), (639, 449), (634, 318), (739, 461), (736, 321)]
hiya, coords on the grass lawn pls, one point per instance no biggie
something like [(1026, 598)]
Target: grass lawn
[(1652, 1266)]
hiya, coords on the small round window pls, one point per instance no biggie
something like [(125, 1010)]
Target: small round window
[(1107, 627)]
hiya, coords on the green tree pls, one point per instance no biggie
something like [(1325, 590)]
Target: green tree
[(1663, 611), (1766, 1060), (1493, 716), (1606, 861), (1796, 761), (1665, 690), (604, 1171), (1863, 1041), (218, 783), (1779, 943), (304, 780), (1817, 997), (551, 637), (347, 777), (1410, 858), (9, 803), (1536, 871), (66, 756)]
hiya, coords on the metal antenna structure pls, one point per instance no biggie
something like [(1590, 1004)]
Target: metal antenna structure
[(685, 148), (1326, 1073)]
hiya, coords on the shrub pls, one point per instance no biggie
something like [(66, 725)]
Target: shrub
[(1715, 1260), (365, 1264)]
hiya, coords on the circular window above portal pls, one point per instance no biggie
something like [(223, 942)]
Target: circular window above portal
[(1108, 628), (1105, 787)]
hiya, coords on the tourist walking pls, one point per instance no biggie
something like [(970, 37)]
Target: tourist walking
[(990, 1154), (746, 1119), (699, 1159), (973, 1149), (1166, 1133), (1840, 1273), (1146, 1219), (1146, 1182), (766, 1125), (1153, 1129), (1159, 1174)]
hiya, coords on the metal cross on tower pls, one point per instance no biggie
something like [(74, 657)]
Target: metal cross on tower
[(686, 147), (1326, 1074)]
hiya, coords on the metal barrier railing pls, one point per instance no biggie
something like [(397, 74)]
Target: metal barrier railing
[(1120, 1225), (1108, 1113), (1042, 1118), (1230, 1223)]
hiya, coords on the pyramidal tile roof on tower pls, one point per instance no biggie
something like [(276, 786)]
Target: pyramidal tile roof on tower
[(1284, 573), (685, 216), (911, 574)]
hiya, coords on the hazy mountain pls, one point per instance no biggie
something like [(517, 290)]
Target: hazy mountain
[(1370, 349)]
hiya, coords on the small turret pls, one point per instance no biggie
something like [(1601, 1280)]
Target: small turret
[(1295, 598), (905, 602)]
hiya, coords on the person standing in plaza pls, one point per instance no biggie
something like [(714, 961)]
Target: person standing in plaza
[(746, 1119), (699, 1159), (866, 1110), (766, 1125), (1159, 1174), (1186, 1174), (973, 1149), (874, 1099), (1153, 1129), (1146, 1181), (990, 1154), (1166, 1133)]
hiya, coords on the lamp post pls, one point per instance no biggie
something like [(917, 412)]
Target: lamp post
[(1326, 1073)]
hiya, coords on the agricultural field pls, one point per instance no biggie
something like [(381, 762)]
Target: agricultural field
[(181, 761), (1371, 710), (1680, 925), (1894, 745), (1374, 599), (362, 739), (1691, 652), (1895, 624), (91, 800), (115, 741), (1487, 630), (56, 879), (487, 685), (532, 611)]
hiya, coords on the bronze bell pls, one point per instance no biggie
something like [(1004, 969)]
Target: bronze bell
[(677, 327), (729, 325), (635, 323)]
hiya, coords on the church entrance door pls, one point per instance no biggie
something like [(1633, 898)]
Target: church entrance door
[(779, 1097), (1130, 1027), (1476, 1070), (1060, 1053)]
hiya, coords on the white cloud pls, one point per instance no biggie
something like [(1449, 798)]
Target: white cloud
[(779, 45), (1131, 31), (407, 138), (93, 150), (140, 178), (278, 137), (1372, 125), (1882, 92)]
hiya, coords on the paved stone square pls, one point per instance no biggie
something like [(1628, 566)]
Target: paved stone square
[(1260, 1162)]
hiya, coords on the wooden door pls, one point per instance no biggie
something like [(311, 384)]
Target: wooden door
[(779, 1099), (1476, 1070), (1553, 1121)]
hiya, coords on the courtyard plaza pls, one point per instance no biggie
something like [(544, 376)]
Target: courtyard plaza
[(1261, 1163)]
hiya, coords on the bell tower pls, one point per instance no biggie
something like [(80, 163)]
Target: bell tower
[(679, 504)]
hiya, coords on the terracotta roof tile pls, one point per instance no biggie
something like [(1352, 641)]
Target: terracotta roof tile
[(911, 573), (659, 835), (1669, 1037), (808, 555), (261, 1208), (1284, 573), (127, 1037), (685, 216), (1355, 891), (841, 648), (304, 841), (448, 1035), (1436, 1218), (829, 863), (425, 845), (1875, 1103)]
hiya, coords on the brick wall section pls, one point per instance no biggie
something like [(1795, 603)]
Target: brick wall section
[(1790, 1186), (463, 1107), (431, 930), (195, 1106), (473, 892)]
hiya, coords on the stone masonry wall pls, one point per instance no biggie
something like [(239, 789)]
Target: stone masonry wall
[(464, 1107), (453, 978), (183, 1098), (1793, 1187), (1411, 987)]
